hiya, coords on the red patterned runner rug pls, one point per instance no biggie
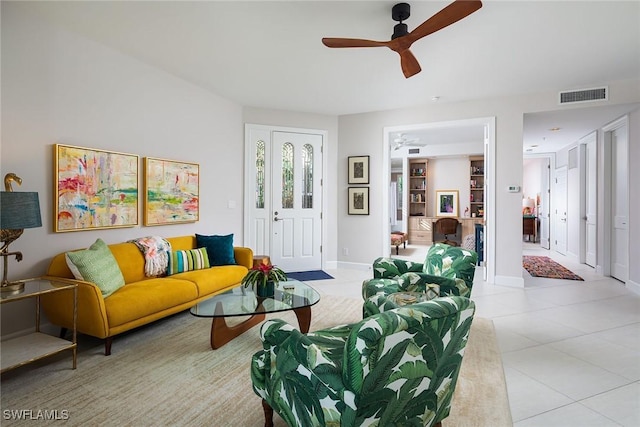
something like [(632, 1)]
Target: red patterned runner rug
[(543, 266)]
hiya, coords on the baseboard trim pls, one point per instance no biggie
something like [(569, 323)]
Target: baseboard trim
[(633, 286), (354, 266)]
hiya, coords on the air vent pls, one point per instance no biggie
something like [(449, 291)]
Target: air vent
[(414, 151), (584, 95)]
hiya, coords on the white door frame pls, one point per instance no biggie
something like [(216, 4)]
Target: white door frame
[(557, 216), (489, 124), (587, 168), (266, 132), (551, 157), (607, 220)]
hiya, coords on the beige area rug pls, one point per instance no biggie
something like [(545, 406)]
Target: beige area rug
[(166, 374)]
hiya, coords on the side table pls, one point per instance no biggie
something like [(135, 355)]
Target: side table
[(36, 345)]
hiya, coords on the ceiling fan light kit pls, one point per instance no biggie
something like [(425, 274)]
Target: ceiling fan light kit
[(402, 39)]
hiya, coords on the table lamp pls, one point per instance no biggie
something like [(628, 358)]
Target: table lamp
[(18, 210), (528, 206)]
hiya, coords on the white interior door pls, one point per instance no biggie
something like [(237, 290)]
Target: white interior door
[(619, 204), (590, 200), (296, 202), (560, 210), (544, 212)]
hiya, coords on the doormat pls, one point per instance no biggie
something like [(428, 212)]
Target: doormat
[(543, 266), (304, 276)]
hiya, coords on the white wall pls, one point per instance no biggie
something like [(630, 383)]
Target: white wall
[(61, 88), (363, 135), (448, 173)]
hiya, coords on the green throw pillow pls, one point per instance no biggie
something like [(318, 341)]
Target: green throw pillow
[(98, 265), (181, 261), (219, 248)]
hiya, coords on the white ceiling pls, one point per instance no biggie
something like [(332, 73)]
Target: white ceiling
[(269, 54)]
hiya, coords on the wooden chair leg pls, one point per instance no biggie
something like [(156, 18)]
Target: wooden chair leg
[(268, 414), (107, 346)]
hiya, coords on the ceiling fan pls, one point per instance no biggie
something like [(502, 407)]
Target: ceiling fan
[(402, 141), (402, 39)]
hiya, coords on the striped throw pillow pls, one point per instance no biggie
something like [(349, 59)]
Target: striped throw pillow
[(181, 261)]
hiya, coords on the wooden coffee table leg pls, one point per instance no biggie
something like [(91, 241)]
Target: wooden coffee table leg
[(221, 333), (304, 318)]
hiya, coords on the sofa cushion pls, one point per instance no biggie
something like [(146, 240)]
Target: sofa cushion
[(139, 299), (193, 259), (215, 279), (219, 248), (98, 265)]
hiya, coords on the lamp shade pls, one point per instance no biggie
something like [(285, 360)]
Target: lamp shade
[(19, 210)]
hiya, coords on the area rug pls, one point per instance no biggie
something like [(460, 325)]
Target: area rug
[(305, 276), (543, 266), (166, 374)]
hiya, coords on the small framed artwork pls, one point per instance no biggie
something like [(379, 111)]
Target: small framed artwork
[(359, 170), (171, 191), (94, 189), (358, 201), (447, 203)]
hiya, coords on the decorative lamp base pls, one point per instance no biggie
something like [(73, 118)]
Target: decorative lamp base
[(12, 288)]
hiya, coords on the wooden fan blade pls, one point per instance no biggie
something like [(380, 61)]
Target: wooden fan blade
[(453, 13), (409, 63), (340, 42)]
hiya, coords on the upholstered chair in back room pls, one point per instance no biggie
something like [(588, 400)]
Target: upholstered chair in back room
[(397, 368)]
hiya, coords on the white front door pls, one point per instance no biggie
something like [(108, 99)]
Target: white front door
[(619, 204), (590, 200), (560, 210), (296, 201)]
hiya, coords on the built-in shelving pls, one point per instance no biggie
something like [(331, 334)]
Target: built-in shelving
[(476, 186)]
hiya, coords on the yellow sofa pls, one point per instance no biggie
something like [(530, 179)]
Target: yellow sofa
[(142, 299)]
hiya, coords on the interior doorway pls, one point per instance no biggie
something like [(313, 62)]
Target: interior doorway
[(437, 136)]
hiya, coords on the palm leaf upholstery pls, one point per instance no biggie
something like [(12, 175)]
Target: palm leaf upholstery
[(451, 261), (397, 368), (450, 267)]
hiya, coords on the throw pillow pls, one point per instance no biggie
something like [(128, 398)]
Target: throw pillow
[(98, 265), (193, 259), (219, 248)]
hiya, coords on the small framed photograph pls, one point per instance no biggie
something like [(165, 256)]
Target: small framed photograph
[(359, 170), (447, 203), (358, 201)]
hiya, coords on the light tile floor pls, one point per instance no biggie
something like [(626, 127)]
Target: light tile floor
[(570, 349)]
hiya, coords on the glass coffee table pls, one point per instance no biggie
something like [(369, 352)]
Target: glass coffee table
[(291, 295)]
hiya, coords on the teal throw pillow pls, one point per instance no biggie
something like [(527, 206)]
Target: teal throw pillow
[(96, 264), (219, 248), (181, 261)]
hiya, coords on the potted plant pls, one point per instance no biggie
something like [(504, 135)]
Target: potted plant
[(263, 279)]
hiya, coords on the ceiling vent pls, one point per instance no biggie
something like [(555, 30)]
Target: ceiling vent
[(584, 95), (414, 151)]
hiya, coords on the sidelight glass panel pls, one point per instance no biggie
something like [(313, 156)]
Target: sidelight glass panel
[(260, 154), (287, 175), (307, 176)]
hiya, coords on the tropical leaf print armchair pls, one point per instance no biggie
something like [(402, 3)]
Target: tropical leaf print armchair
[(397, 368), (452, 268)]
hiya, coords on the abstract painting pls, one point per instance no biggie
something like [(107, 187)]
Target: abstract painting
[(94, 189), (172, 191)]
